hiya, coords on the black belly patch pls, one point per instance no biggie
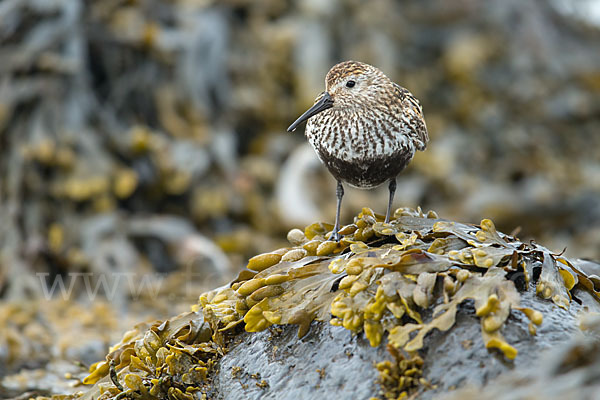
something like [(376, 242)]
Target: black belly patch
[(367, 173)]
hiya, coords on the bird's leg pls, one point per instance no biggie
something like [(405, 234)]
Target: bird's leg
[(392, 188), (339, 192)]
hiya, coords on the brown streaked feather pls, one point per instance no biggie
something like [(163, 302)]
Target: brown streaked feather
[(371, 131), (412, 107)]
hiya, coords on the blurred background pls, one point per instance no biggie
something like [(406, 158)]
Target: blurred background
[(144, 158)]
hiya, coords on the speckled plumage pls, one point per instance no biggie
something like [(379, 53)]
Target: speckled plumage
[(365, 134), (373, 129)]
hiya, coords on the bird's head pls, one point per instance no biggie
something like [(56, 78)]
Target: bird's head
[(349, 85)]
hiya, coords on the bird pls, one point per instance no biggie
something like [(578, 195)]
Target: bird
[(365, 129)]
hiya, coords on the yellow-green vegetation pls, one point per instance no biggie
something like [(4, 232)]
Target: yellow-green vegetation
[(35, 330), (381, 277), (171, 360), (401, 375), (402, 279)]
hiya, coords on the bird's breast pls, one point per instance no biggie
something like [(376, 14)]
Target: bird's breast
[(362, 149), (354, 136)]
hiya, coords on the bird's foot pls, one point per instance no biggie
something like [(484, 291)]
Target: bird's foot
[(335, 236)]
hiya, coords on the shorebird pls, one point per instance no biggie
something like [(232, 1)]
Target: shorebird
[(364, 128)]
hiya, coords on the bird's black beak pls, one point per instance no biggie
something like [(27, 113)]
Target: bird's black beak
[(322, 104)]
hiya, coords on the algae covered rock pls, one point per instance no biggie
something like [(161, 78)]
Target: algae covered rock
[(571, 371), (417, 306), (384, 278)]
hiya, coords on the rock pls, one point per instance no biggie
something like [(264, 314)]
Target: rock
[(291, 367), (327, 360), (570, 370), (415, 307)]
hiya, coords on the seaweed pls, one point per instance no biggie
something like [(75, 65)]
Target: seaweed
[(163, 359), (395, 282)]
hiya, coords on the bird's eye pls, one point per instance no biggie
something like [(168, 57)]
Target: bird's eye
[(350, 84)]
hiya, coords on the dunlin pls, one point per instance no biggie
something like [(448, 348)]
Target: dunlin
[(364, 128)]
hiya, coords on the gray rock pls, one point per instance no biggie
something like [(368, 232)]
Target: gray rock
[(289, 365), (330, 360)]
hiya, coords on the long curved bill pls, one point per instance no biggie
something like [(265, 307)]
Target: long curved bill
[(322, 104)]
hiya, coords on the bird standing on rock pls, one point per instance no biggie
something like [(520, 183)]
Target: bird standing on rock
[(364, 128)]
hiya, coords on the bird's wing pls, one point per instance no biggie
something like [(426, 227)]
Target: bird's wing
[(411, 108)]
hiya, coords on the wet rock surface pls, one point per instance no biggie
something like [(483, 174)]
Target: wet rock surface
[(570, 370), (459, 357), (327, 360), (291, 367)]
